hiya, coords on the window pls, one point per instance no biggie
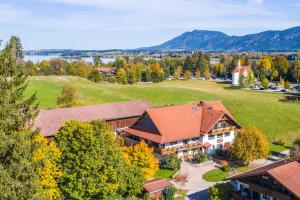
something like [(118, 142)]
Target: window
[(211, 137), (227, 134), (219, 135), (173, 143), (185, 141)]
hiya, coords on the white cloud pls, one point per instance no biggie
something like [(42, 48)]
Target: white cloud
[(255, 2)]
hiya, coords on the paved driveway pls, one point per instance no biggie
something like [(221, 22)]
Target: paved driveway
[(196, 186)]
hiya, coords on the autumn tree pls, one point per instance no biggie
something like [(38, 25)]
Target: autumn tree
[(68, 96), (197, 74), (281, 64), (94, 75), (92, 163), (157, 74), (274, 75), (122, 76), (141, 156), (265, 83), (47, 154), (265, 65), (187, 75), (178, 72), (250, 144), (206, 74), (296, 69)]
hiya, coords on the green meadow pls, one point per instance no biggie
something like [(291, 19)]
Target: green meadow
[(249, 107)]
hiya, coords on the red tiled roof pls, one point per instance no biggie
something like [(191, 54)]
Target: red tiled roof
[(242, 69), (289, 176), (184, 121), (144, 134), (49, 121), (106, 69), (286, 171), (157, 184)]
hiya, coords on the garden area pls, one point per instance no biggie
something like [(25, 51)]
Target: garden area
[(224, 171)]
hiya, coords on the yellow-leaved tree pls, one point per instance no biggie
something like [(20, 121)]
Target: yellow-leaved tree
[(47, 154), (250, 144), (141, 156)]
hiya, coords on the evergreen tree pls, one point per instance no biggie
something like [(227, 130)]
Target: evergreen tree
[(18, 177), (16, 113)]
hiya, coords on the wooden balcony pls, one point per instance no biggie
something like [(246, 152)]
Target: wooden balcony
[(172, 150), (267, 191), (129, 141), (237, 196), (222, 130)]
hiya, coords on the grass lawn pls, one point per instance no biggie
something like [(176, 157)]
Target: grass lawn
[(248, 107), (217, 175), (164, 173)]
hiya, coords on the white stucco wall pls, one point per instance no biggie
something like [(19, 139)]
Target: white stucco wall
[(236, 78)]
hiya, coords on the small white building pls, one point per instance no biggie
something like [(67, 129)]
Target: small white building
[(240, 71)]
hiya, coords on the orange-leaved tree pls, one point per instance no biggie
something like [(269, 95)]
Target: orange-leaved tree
[(250, 144), (141, 156)]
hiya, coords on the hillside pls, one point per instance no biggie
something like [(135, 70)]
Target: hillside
[(249, 107), (286, 40)]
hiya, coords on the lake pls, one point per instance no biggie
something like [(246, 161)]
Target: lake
[(39, 58)]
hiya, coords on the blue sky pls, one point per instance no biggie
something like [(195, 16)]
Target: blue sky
[(107, 24)]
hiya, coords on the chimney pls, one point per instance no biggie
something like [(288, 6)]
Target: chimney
[(201, 103)]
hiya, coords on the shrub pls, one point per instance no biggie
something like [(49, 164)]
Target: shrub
[(68, 96), (226, 168), (279, 141), (220, 191), (287, 85), (169, 194), (187, 75), (200, 157), (112, 79), (171, 162), (219, 152), (224, 163), (265, 83)]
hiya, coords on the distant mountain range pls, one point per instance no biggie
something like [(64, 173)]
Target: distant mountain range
[(267, 41)]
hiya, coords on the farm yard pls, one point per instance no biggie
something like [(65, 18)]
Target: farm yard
[(248, 107)]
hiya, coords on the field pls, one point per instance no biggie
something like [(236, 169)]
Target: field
[(249, 107)]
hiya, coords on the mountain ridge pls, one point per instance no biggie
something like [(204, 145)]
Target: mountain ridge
[(207, 40)]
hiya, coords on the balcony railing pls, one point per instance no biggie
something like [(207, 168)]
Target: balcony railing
[(237, 196), (222, 130), (171, 150), (129, 141), (268, 191)]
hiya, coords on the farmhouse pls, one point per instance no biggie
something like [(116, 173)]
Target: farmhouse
[(185, 129), (107, 71), (279, 180), (117, 115), (239, 72)]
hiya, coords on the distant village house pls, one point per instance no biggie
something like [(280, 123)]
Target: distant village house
[(240, 72)]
